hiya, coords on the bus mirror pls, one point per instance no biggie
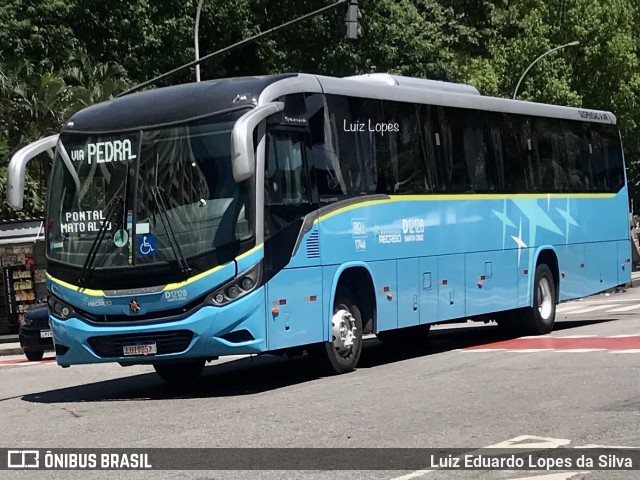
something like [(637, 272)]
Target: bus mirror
[(17, 167), (243, 158)]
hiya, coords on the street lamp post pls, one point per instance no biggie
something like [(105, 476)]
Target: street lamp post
[(196, 39), (570, 44)]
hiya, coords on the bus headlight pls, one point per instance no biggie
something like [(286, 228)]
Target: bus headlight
[(247, 283), (58, 308), (244, 283)]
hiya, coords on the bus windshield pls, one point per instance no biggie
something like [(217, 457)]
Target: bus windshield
[(150, 197)]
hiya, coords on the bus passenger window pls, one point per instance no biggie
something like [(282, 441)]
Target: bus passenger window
[(475, 153), (286, 185), (285, 178), (456, 174), (515, 171), (597, 160), (406, 155), (350, 155), (552, 172), (613, 157), (578, 169)]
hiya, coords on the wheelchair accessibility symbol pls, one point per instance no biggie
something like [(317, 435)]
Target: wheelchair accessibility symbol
[(146, 245)]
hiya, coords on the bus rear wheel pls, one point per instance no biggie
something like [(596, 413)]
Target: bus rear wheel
[(179, 372), (540, 318), (342, 353)]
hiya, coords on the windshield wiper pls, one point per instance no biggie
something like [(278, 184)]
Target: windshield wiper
[(111, 210), (156, 193)]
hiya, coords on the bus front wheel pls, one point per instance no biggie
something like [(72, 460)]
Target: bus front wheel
[(342, 353), (179, 372)]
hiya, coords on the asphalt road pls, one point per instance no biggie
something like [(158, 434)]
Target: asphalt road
[(471, 388)]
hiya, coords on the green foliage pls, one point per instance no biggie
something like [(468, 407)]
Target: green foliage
[(58, 56)]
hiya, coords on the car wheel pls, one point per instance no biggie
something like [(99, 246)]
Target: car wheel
[(34, 355)]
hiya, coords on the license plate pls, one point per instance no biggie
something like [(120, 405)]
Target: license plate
[(140, 349), (45, 334)]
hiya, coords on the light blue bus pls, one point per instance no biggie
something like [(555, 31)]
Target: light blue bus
[(298, 212)]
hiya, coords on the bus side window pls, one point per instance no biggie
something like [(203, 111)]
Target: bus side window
[(403, 136), (480, 174), (578, 168), (496, 158), (285, 178), (352, 155), (325, 167), (456, 176), (515, 172), (551, 145), (598, 161), (286, 185), (429, 145), (613, 156)]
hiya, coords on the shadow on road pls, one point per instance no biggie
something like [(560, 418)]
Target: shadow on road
[(264, 373)]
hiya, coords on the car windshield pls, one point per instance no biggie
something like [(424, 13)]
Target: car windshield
[(150, 197)]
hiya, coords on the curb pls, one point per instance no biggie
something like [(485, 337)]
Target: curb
[(635, 282), (11, 351)]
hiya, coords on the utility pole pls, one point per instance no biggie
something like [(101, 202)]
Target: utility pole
[(570, 44)]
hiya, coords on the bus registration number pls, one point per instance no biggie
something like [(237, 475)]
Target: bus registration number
[(140, 349)]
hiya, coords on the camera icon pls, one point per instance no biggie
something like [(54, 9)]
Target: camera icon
[(23, 459)]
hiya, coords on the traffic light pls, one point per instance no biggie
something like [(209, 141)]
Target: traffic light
[(353, 15)]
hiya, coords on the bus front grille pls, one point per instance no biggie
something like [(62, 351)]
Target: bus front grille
[(173, 341)]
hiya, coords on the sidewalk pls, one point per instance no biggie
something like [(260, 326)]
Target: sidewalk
[(10, 349), (9, 344)]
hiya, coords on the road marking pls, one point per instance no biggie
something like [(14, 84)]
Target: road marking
[(525, 442), (599, 302), (577, 336), (529, 350), (633, 350), (624, 309), (24, 362), (581, 350), (592, 445), (553, 476), (565, 309), (575, 344), (480, 350), (593, 308)]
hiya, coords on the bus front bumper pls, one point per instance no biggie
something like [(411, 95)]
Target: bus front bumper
[(237, 328)]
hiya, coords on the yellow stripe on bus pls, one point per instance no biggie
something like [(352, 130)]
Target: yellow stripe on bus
[(173, 286), (86, 291), (464, 197), (170, 286)]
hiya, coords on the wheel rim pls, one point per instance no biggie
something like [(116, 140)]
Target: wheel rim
[(545, 299), (343, 327)]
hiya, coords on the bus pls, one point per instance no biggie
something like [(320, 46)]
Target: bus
[(297, 213)]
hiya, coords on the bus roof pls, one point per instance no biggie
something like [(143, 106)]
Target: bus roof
[(170, 105), (430, 92), (176, 104)]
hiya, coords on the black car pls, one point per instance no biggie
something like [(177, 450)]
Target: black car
[(35, 333)]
